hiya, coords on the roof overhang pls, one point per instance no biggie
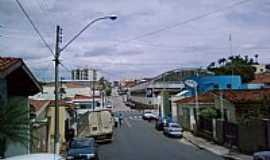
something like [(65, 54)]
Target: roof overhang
[(16, 75)]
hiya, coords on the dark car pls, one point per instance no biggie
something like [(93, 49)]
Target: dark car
[(82, 149), (160, 125)]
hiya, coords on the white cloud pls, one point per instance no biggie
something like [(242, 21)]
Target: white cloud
[(194, 44)]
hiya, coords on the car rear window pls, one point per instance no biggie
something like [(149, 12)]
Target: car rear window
[(175, 126), (81, 144)]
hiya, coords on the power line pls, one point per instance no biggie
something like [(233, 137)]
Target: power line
[(34, 26), (65, 67), (187, 21)]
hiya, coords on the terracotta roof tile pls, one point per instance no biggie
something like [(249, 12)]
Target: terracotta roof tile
[(245, 96), (262, 78), (203, 98), (234, 96), (77, 96), (38, 104), (6, 62), (73, 85), (61, 103)]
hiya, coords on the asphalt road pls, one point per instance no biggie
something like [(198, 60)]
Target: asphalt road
[(138, 140)]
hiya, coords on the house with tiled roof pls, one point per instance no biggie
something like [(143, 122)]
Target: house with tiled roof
[(186, 108), (233, 105), (88, 103), (44, 122), (40, 124), (16, 83), (263, 79)]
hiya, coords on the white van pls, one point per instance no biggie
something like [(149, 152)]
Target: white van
[(97, 124)]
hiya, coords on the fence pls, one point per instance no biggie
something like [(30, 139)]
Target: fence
[(248, 137), (205, 128)]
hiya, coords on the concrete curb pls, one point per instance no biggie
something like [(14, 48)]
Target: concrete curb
[(225, 153), (201, 146), (230, 157)]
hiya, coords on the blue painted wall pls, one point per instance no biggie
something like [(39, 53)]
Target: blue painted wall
[(206, 83), (253, 86)]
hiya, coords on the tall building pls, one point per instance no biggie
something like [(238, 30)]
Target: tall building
[(85, 74)]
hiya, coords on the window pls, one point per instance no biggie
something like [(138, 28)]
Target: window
[(229, 86), (216, 86)]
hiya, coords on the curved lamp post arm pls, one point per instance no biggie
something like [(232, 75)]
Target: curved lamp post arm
[(88, 25)]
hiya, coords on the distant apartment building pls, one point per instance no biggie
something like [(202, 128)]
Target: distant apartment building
[(85, 74)]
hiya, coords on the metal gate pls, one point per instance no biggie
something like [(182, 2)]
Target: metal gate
[(206, 128), (230, 134)]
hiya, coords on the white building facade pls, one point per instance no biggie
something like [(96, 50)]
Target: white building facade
[(85, 74)]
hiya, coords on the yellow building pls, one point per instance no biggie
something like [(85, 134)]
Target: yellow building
[(64, 123)]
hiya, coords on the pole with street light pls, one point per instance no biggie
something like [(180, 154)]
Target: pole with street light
[(193, 84), (58, 50)]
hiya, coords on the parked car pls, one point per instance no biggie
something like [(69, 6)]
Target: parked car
[(173, 130), (83, 149), (149, 116), (109, 105), (160, 124), (37, 156), (263, 155)]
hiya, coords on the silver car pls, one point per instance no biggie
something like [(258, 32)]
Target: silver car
[(173, 130)]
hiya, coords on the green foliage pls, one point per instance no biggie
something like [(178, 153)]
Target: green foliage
[(105, 85), (235, 65), (108, 91), (209, 113), (14, 125)]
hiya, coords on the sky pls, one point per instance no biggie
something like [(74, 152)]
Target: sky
[(148, 37)]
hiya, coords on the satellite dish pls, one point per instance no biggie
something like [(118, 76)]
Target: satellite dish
[(191, 83), (182, 93)]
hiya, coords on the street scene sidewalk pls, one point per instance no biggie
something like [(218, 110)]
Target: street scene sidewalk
[(214, 148)]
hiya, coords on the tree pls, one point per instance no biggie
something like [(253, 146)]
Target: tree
[(236, 65), (209, 113), (102, 84), (256, 58), (211, 65), (222, 61), (14, 125)]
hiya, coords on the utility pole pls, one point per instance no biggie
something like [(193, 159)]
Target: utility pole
[(58, 50), (230, 41), (56, 91), (93, 89)]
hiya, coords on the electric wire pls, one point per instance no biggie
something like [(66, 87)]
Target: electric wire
[(34, 26)]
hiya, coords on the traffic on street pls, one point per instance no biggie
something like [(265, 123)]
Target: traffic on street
[(134, 80), (138, 139)]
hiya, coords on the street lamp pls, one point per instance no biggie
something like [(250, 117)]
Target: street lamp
[(58, 50), (193, 84), (111, 17)]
